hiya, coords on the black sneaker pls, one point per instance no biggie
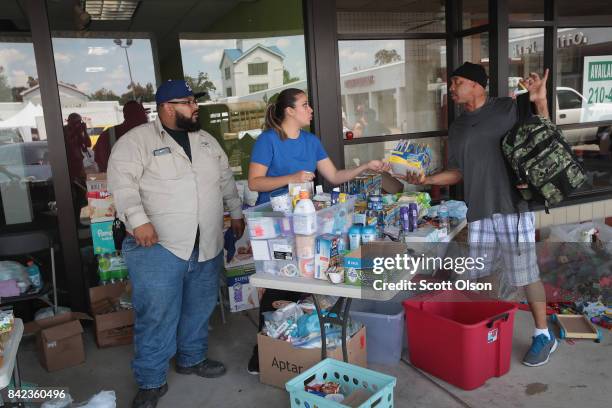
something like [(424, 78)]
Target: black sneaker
[(253, 367), (148, 398), (207, 369)]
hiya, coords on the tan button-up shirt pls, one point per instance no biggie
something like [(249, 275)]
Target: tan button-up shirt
[(152, 180)]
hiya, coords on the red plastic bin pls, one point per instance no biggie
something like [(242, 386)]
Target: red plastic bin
[(460, 338)]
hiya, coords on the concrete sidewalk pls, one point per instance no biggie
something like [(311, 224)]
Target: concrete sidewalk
[(577, 376)]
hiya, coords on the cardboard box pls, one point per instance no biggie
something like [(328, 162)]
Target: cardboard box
[(96, 182), (102, 237), (242, 295), (100, 206), (279, 361), (113, 328), (59, 340), (326, 254), (358, 264), (242, 256)]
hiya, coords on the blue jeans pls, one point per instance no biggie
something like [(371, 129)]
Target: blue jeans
[(173, 300)]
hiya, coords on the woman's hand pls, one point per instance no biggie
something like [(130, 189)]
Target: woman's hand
[(378, 165), (302, 177)]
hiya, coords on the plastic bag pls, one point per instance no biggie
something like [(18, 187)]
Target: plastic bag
[(14, 270), (65, 402), (103, 399), (573, 232), (48, 312), (456, 209)]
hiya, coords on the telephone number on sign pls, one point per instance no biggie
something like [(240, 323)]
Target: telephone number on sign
[(600, 95), (37, 394)]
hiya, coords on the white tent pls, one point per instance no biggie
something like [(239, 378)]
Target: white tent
[(24, 121)]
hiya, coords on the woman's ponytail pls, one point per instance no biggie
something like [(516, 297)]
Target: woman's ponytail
[(274, 122), (275, 112)]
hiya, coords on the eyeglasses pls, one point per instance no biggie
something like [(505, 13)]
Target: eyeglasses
[(194, 102)]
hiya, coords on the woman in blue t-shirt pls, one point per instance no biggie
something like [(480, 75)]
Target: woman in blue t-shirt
[(283, 154)]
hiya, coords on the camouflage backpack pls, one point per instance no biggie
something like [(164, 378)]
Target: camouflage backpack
[(540, 158)]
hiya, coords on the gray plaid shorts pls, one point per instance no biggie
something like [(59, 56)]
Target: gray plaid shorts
[(495, 241)]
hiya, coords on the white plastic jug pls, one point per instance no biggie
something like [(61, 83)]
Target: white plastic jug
[(304, 216)]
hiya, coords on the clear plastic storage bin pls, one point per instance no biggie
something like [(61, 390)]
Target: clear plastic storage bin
[(273, 240), (385, 329)]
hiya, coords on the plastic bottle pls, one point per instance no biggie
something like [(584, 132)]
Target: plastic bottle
[(34, 274), (304, 216), (305, 229), (443, 217), (354, 234), (104, 271), (368, 234)]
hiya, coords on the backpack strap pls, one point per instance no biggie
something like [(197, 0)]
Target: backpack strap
[(523, 105)]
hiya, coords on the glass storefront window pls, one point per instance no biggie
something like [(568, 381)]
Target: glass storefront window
[(420, 16), (392, 86), (526, 51), (584, 69), (26, 182), (476, 50), (241, 76), (96, 78), (526, 10), (584, 94), (475, 13)]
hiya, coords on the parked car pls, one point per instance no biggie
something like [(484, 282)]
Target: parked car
[(573, 108), (10, 136)]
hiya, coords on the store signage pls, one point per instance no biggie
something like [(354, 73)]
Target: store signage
[(568, 40), (361, 81), (596, 86), (564, 41), (530, 48)]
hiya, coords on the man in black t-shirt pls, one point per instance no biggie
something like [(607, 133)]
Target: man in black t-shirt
[(500, 226)]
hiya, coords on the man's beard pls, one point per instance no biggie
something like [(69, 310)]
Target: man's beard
[(185, 123)]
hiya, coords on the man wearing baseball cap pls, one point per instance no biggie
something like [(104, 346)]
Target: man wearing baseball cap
[(498, 220), (170, 181)]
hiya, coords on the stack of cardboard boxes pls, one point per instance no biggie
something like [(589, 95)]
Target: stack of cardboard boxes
[(101, 213), (114, 324)]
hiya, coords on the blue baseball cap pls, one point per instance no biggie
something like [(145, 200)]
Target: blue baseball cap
[(173, 89)]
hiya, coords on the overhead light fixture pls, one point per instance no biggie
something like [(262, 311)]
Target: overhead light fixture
[(94, 69), (111, 9)]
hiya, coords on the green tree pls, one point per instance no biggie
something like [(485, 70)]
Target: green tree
[(104, 94), (287, 78), (6, 93), (201, 83), (383, 57), (141, 93)]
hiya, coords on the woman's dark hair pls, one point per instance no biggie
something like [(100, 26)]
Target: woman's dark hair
[(275, 113)]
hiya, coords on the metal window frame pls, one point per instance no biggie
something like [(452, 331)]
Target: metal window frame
[(52, 112), (321, 39)]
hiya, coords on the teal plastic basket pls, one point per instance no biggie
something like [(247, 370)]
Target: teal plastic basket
[(350, 377)]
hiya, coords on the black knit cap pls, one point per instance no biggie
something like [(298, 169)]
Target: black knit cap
[(473, 72)]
